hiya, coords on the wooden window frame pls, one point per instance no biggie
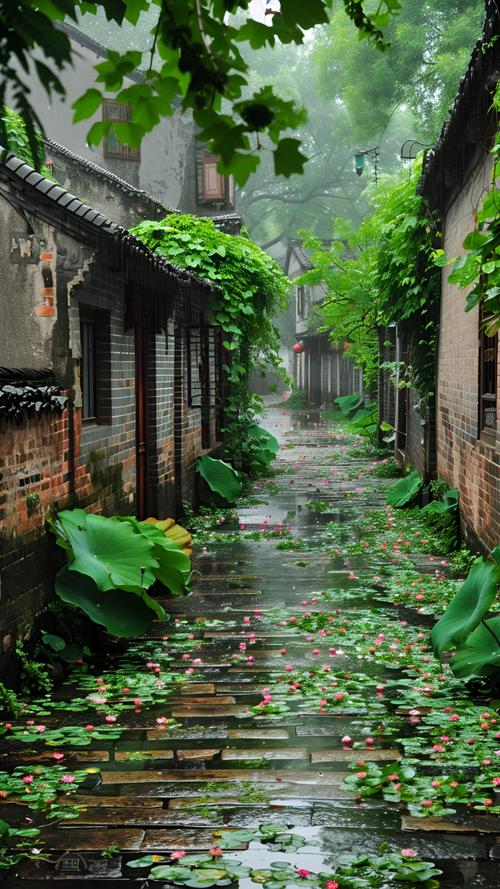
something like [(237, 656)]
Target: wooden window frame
[(112, 148), (95, 365), (224, 192), (301, 300), (488, 382)]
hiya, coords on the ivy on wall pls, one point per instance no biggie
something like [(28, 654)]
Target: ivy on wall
[(379, 273), (253, 289), (478, 270), (18, 402)]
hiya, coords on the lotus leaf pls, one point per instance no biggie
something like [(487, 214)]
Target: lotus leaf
[(466, 610), (220, 477), (404, 490), (349, 404), (110, 552), (480, 654), (122, 613)]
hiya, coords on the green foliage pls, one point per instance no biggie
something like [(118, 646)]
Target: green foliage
[(405, 490), (298, 400), (478, 270), (14, 135), (252, 288), (443, 514), (9, 704), (190, 51), (14, 843), (220, 477), (349, 404), (378, 274), (258, 449), (431, 45), (480, 653), (468, 608), (111, 564), (34, 675)]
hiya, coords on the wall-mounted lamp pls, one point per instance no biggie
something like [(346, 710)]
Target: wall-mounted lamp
[(359, 161)]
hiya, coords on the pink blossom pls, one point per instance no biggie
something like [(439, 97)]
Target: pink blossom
[(409, 853), (215, 852), (28, 779), (110, 718), (303, 872), (58, 756), (68, 779), (175, 856)]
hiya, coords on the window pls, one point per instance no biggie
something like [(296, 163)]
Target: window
[(300, 301), (95, 365), (88, 370), (488, 349), (213, 187), (119, 112)]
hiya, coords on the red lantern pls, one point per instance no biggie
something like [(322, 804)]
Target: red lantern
[(298, 348)]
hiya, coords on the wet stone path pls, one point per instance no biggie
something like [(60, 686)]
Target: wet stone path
[(256, 732)]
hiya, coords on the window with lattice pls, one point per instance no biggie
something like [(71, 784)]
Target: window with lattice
[(119, 112)]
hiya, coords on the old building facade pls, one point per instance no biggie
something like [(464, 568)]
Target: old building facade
[(322, 371), (126, 339), (457, 175)]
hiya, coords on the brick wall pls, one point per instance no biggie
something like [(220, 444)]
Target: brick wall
[(463, 459)]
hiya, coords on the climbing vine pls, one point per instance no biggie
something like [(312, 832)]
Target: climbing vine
[(252, 290), (380, 273), (479, 268)]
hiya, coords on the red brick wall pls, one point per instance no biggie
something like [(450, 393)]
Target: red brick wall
[(466, 462)]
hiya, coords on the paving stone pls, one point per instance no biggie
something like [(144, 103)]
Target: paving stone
[(254, 775), (184, 755), (74, 838), (189, 712), (377, 755), (263, 753), (170, 840), (206, 732), (488, 824), (270, 734), (127, 755), (83, 757)]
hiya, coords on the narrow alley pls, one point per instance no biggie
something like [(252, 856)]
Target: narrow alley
[(229, 732)]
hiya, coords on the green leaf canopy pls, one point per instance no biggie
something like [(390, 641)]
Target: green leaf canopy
[(468, 607), (404, 490), (220, 477)]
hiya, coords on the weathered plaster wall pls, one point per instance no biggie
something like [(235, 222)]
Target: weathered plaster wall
[(164, 152), (28, 279), (466, 462)]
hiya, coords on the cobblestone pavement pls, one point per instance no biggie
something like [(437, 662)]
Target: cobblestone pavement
[(202, 761)]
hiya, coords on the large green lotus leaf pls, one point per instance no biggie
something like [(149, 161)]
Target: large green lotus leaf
[(173, 565), (467, 608), (111, 553), (448, 504), (348, 404), (220, 477), (269, 442), (122, 613), (75, 518), (480, 654), (404, 490)]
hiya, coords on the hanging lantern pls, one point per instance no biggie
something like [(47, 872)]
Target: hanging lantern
[(298, 348), (359, 162)]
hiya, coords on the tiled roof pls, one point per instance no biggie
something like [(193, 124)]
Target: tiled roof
[(470, 125), (297, 247), (102, 173), (70, 204)]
